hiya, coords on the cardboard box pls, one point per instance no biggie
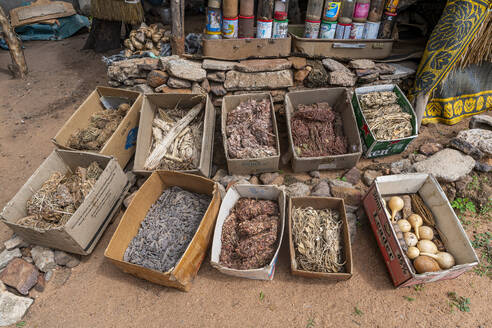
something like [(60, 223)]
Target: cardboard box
[(187, 267), (372, 146), (122, 143), (338, 98), (236, 49), (150, 105), (319, 203), (83, 230), (233, 195), (451, 232), (338, 48), (249, 165)]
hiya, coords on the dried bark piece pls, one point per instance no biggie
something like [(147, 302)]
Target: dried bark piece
[(257, 225)]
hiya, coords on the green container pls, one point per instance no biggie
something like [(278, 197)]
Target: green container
[(378, 148)]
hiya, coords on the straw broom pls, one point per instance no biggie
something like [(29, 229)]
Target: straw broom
[(117, 10), (480, 48)]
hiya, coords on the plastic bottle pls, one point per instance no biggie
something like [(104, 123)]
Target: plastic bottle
[(361, 10), (332, 10), (314, 10), (391, 6), (376, 10), (246, 8), (230, 8), (214, 21), (387, 25), (280, 6), (347, 11)]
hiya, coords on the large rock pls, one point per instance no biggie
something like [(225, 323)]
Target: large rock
[(218, 76), (157, 78), (20, 275), (298, 189), (12, 308), (350, 195), (267, 178), (362, 64), (332, 65), (15, 242), (263, 65), (6, 256), (217, 89), (479, 138), (298, 62), (322, 189), (447, 165), (430, 148), (178, 83), (342, 78), (186, 70), (66, 259), (44, 258), (218, 65), (401, 72), (301, 75), (482, 121), (369, 176), (352, 176), (258, 81), (226, 180), (401, 166)]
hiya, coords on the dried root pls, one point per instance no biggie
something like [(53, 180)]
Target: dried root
[(59, 197), (317, 238), (150, 38), (385, 117)]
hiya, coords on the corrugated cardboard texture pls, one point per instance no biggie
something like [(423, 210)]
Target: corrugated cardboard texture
[(144, 141), (339, 49), (232, 196), (252, 165), (122, 143), (82, 231), (339, 100), (185, 271), (235, 49), (319, 203), (452, 234)]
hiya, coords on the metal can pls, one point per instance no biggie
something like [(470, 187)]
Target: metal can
[(386, 27), (391, 6), (371, 30), (327, 30), (311, 29), (213, 35), (230, 28), (264, 28), (213, 19), (246, 27), (280, 28), (343, 31), (356, 31)]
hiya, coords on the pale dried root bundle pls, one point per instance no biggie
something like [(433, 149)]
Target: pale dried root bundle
[(384, 115), (317, 236), (249, 130), (249, 234), (146, 38), (183, 152), (317, 130), (101, 127), (59, 197)]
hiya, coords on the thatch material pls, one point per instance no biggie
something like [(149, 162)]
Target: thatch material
[(480, 48), (117, 10)]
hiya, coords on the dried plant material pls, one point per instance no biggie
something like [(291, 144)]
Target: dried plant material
[(249, 130), (146, 38), (176, 139), (249, 234), (317, 130), (385, 117), (59, 197), (101, 127), (421, 209), (167, 229), (317, 236)]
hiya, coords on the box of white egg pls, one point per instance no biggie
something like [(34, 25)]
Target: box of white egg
[(416, 229)]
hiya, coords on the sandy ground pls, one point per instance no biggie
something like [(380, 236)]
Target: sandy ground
[(97, 294)]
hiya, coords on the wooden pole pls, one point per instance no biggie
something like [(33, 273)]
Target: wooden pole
[(18, 66), (177, 38), (265, 9)]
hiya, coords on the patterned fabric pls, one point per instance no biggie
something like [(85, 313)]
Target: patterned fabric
[(458, 25)]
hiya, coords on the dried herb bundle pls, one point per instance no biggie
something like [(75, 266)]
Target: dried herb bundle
[(317, 131), (249, 234), (249, 129), (184, 152), (101, 127), (167, 229), (59, 197), (385, 117), (317, 238)]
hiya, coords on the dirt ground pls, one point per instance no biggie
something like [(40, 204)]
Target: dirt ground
[(97, 294)]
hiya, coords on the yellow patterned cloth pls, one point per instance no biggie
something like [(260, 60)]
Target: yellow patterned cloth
[(457, 26)]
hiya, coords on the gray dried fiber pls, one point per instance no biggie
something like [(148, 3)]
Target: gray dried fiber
[(167, 229)]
